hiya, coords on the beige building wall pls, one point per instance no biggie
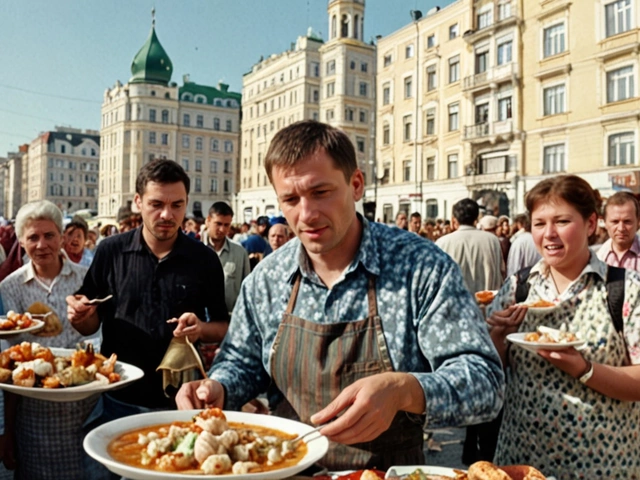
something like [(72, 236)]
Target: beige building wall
[(13, 181), (333, 82), (63, 166), (279, 90), (141, 122), (580, 91), (449, 110)]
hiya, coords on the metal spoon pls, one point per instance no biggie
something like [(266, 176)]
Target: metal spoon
[(97, 301)]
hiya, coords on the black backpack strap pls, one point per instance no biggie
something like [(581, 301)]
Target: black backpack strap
[(615, 295), (522, 284)]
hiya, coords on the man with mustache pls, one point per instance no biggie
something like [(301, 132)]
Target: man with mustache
[(352, 316), (621, 216), (164, 285)]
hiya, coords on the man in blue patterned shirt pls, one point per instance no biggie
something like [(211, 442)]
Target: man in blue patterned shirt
[(339, 322)]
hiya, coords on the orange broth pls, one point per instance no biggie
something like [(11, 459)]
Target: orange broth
[(125, 449)]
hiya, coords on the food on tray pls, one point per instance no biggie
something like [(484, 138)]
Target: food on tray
[(485, 297), (32, 365), (52, 324), (208, 445), (357, 475), (420, 475), (16, 321), (540, 304), (551, 335), (489, 471)]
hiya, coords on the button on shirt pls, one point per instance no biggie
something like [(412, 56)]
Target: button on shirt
[(430, 322), (148, 292), (629, 260)]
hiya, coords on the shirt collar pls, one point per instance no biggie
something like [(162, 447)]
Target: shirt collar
[(466, 227), (137, 243), (367, 255), (595, 265), (30, 271)]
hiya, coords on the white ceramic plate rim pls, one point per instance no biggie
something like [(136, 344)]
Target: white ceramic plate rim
[(518, 339), (128, 373), (426, 469), (38, 324), (97, 441)]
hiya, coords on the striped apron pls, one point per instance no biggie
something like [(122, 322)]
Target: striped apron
[(312, 363)]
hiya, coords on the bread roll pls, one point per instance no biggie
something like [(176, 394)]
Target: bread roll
[(523, 472), (486, 471)]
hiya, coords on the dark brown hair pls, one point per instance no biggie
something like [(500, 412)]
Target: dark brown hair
[(302, 139), (572, 189), (621, 198), (161, 171)]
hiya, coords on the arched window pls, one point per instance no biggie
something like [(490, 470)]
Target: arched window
[(199, 98), (356, 26), (187, 97), (333, 27), (344, 31)]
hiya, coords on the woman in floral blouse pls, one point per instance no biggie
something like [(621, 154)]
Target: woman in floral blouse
[(570, 413)]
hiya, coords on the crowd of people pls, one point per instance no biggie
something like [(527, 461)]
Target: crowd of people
[(368, 328)]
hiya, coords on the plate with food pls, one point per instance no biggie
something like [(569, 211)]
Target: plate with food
[(425, 472), (545, 338), (61, 374), (540, 306), (14, 323), (485, 297), (204, 444)]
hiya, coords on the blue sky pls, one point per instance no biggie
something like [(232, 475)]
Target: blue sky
[(58, 57)]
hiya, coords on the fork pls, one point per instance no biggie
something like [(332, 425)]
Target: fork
[(97, 301)]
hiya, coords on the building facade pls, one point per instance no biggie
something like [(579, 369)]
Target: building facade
[(14, 178), (151, 117), (581, 102), (333, 82), (62, 166)]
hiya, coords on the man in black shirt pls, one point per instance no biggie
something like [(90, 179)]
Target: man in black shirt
[(163, 283)]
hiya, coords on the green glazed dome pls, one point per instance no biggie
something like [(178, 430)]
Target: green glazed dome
[(151, 64)]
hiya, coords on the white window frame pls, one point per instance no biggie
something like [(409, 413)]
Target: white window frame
[(563, 106), (629, 83), (454, 31), (503, 42), (454, 60), (626, 6), (409, 51), (485, 12), (556, 34), (407, 81), (630, 152), (407, 133), (499, 108), (457, 116), (432, 68), (554, 150), (386, 100), (449, 155), (505, 10)]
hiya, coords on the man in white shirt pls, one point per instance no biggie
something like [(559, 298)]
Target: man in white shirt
[(233, 257), (476, 252), (523, 252)]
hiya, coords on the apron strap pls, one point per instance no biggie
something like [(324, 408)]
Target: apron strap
[(371, 296), (293, 296)]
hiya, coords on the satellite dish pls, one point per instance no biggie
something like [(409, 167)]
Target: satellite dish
[(416, 15), (433, 10)]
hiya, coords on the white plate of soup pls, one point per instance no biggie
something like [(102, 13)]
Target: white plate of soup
[(123, 459)]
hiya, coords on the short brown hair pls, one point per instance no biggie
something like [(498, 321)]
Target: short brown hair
[(161, 171), (302, 139), (572, 189), (620, 198)]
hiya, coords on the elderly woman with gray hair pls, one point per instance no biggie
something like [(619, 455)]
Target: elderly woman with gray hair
[(44, 439)]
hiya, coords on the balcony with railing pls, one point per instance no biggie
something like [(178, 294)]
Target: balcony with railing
[(488, 131), (490, 169), (491, 77)]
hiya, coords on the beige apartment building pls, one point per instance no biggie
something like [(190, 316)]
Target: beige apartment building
[(14, 177), (279, 90), (62, 166), (151, 117), (581, 103), (449, 115), (329, 81)]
